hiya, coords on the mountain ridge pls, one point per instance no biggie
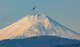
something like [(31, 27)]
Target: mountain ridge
[(40, 41), (37, 25)]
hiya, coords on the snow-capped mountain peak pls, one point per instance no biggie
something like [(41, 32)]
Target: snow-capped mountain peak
[(36, 25)]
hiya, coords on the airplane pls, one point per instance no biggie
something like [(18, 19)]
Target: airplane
[(34, 8)]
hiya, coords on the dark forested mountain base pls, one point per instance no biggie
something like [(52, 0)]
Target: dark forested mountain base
[(40, 41)]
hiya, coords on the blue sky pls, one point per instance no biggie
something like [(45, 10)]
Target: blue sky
[(66, 12)]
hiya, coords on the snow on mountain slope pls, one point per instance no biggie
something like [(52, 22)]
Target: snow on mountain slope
[(36, 25)]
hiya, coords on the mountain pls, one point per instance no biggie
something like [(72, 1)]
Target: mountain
[(37, 25), (40, 41)]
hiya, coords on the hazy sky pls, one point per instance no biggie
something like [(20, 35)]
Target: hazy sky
[(66, 12)]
